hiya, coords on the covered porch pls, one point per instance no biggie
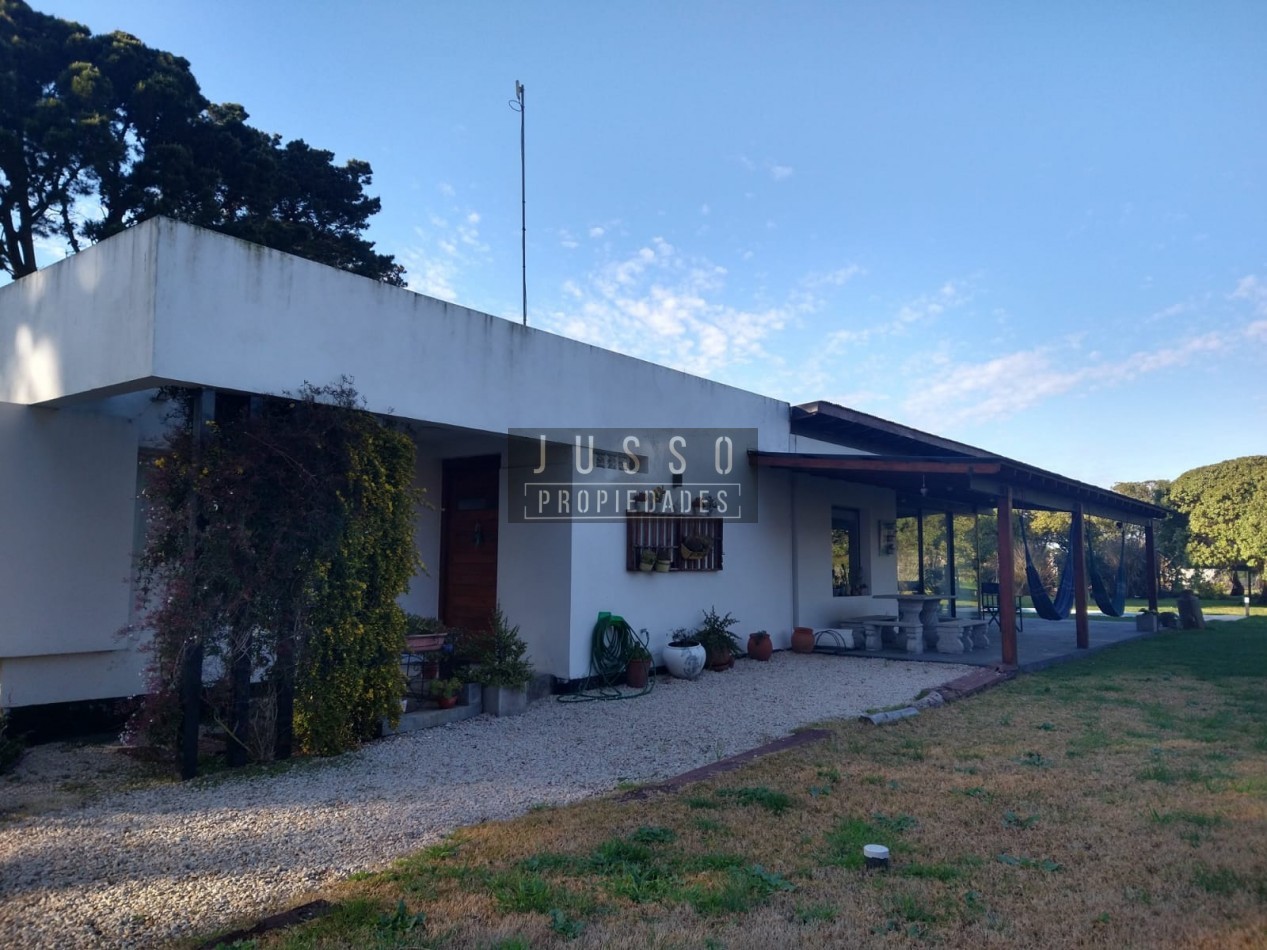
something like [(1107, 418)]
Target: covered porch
[(1040, 644), (938, 481)]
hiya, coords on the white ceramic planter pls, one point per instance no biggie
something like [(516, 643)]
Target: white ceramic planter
[(685, 663)]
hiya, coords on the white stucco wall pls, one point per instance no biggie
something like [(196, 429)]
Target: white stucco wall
[(82, 324), (67, 511), (813, 501), (165, 302), (170, 302)]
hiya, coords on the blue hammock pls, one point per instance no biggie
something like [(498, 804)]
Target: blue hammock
[(1114, 607), (1044, 606)]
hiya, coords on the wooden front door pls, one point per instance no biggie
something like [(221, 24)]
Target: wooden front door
[(468, 578)]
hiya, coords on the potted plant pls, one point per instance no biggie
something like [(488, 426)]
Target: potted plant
[(1146, 620), (502, 669), (695, 547), (760, 645), (664, 560), (445, 692), (647, 559), (638, 667), (684, 656), (803, 640), (718, 642), (423, 634)]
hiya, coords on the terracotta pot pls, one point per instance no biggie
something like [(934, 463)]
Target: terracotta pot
[(760, 646), (446, 702), (636, 673), (720, 658), (803, 640), (425, 642)]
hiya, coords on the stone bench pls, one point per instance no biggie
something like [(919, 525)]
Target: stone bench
[(976, 634), (907, 635), (867, 629), (950, 636)]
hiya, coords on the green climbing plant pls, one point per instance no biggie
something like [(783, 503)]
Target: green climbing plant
[(277, 545)]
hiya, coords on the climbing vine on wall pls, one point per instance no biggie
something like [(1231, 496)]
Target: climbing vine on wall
[(277, 545)]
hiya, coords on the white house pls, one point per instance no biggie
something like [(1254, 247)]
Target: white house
[(85, 344)]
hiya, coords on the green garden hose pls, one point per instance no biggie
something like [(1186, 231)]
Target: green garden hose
[(611, 645)]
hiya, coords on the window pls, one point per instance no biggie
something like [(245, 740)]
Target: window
[(689, 544), (846, 553)]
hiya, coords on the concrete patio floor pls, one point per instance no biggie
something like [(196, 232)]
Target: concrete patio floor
[(1040, 644)]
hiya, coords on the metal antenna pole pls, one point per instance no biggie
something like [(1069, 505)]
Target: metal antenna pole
[(518, 106)]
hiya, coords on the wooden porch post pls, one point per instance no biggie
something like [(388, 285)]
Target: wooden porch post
[(1077, 538), (1150, 556), (951, 579), (1007, 580), (919, 542), (204, 411)]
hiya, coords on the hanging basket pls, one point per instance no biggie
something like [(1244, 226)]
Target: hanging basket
[(695, 548)]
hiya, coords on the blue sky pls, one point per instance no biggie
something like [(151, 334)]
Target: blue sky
[(1036, 228)]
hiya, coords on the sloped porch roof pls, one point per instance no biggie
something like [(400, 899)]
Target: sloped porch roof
[(931, 472)]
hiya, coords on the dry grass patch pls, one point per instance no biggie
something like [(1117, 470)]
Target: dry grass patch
[(1118, 801)]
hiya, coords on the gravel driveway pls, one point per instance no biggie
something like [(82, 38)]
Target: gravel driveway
[(134, 868)]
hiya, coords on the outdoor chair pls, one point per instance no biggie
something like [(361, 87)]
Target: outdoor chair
[(989, 605)]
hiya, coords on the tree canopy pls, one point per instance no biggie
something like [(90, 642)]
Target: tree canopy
[(1226, 509), (99, 132)]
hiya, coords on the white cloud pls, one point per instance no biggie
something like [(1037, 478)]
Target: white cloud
[(780, 172), (1149, 361), (1257, 330), (928, 307), (446, 189), (430, 275), (659, 304), (1254, 291), (1007, 385), (835, 278), (597, 231), (1249, 288), (444, 250)]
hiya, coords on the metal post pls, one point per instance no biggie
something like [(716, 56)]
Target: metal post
[(1077, 538), (952, 587), (1007, 580), (518, 106)]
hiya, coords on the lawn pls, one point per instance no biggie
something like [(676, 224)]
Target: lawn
[(1232, 606), (1116, 801)]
